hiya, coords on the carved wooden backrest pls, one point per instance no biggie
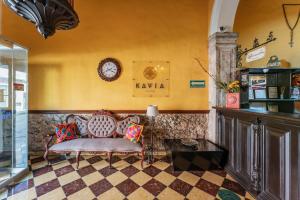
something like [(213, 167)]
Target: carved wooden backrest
[(102, 124), (122, 125), (81, 123)]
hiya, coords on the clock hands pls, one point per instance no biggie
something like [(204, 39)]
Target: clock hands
[(110, 69), (110, 72)]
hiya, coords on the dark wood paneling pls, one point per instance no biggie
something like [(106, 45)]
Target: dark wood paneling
[(281, 161), (265, 157), (229, 140), (274, 162), (118, 111), (219, 129)]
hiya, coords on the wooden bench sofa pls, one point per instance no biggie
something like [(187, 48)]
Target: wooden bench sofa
[(102, 133)]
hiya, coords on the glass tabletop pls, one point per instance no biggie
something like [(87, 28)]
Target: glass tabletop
[(202, 146)]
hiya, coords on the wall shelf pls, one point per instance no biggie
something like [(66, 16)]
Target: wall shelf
[(263, 100), (254, 79), (262, 70)]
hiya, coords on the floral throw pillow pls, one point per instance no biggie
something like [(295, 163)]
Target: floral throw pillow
[(65, 132), (134, 132)]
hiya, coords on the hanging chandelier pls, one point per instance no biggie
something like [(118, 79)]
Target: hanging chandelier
[(47, 15)]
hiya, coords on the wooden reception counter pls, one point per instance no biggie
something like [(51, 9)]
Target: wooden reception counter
[(264, 151)]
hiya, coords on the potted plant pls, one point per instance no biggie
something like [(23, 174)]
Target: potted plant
[(233, 95)]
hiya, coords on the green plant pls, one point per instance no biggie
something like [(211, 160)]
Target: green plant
[(231, 87)]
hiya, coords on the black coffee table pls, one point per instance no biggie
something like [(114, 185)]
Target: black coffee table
[(205, 156)]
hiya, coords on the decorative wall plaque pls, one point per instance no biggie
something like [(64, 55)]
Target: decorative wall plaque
[(256, 54), (151, 78)]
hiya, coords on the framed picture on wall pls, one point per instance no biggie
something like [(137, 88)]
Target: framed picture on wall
[(258, 81), (295, 92), (273, 92), (260, 94), (296, 80)]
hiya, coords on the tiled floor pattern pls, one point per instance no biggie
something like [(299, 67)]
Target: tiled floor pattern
[(126, 180)]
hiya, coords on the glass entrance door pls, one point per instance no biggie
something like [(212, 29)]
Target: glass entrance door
[(6, 137), (13, 111), (20, 108)]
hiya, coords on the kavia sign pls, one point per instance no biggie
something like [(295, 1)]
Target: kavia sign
[(256, 54)]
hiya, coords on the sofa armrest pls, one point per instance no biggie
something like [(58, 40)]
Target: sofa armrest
[(50, 134), (48, 140)]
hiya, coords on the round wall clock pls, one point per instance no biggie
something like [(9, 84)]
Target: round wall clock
[(109, 69)]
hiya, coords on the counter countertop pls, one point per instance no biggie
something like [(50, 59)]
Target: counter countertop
[(267, 114)]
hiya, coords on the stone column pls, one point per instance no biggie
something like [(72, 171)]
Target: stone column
[(222, 64)]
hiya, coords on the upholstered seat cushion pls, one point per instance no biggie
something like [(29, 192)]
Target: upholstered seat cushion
[(97, 144)]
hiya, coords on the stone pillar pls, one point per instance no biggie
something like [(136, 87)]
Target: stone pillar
[(222, 64)]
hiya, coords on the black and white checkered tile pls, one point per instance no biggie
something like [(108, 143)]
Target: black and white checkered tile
[(126, 180)]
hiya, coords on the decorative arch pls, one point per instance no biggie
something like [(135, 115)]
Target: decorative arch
[(222, 54), (223, 14)]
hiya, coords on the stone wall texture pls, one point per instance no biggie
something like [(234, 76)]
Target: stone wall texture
[(175, 126)]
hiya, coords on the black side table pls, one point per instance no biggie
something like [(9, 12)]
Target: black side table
[(204, 156)]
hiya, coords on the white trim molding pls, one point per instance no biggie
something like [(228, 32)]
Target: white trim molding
[(223, 14)]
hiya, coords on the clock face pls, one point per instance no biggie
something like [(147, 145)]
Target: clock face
[(109, 69)]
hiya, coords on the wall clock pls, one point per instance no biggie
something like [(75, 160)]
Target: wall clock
[(109, 69)]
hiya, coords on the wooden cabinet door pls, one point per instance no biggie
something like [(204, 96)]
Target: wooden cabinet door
[(244, 154), (225, 129), (229, 140), (280, 158)]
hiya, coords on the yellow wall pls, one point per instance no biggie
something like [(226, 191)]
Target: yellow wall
[(63, 68), (256, 18), (210, 10), (1, 3)]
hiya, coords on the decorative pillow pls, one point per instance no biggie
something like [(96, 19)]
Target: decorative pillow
[(134, 132), (65, 132)]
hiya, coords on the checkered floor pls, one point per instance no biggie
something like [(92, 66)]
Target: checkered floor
[(126, 180)]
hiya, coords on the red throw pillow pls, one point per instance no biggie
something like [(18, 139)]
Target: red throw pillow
[(65, 132)]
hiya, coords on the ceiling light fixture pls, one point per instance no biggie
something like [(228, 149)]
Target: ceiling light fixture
[(47, 15)]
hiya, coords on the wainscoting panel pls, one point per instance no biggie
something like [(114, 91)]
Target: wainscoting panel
[(167, 125)]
